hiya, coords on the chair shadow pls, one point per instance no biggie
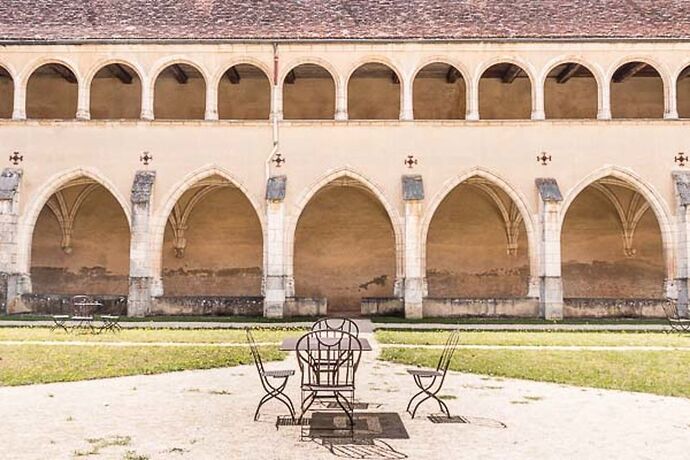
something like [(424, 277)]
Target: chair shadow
[(467, 419)]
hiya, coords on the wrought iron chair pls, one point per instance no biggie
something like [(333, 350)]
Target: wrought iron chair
[(83, 308), (430, 382), (675, 321), (336, 324), (328, 360), (273, 390)]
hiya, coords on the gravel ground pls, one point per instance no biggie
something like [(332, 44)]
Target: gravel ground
[(208, 415)]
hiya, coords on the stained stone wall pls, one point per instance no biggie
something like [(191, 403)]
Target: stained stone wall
[(344, 249), (99, 259), (594, 264), (467, 253), (223, 253)]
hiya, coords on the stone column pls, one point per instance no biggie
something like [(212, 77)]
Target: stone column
[(276, 282), (604, 106), (83, 102), (19, 110), (551, 283), (538, 102), (472, 101), (211, 102), (341, 101), (415, 282), (147, 93), (10, 280), (140, 253), (682, 185), (406, 101), (671, 103)]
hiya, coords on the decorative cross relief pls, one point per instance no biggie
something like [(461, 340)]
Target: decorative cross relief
[(179, 217), (65, 212), (629, 216), (507, 210)]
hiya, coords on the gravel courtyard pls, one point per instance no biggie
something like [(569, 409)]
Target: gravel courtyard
[(208, 415)]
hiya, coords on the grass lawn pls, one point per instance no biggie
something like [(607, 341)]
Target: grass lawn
[(29, 364), (148, 335), (179, 318), (482, 320), (536, 338), (658, 372)]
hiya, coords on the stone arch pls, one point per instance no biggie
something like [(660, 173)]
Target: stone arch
[(681, 80), (241, 98), (60, 101), (163, 65), (595, 70), (523, 65), (163, 212), (326, 67), (101, 65), (401, 81), (655, 65), (651, 196), (515, 196), (371, 189), (458, 67), (35, 205), (225, 66)]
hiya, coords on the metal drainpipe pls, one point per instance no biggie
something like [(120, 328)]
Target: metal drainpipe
[(274, 113)]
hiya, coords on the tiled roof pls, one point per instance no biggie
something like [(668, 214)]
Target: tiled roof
[(82, 20)]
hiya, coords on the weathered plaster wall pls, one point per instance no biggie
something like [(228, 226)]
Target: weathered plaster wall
[(250, 99), (683, 89), (112, 99), (344, 249), (638, 97), (505, 101), (175, 101), (99, 260), (467, 253), (6, 97), (309, 98), (223, 255), (51, 96), (576, 98), (434, 98), (594, 264), (373, 99)]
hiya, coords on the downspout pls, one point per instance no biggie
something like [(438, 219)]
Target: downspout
[(274, 113)]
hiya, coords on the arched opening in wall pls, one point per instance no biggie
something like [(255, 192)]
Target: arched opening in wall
[(477, 244), (344, 247), (6, 93), (570, 91), (244, 93), (80, 243), (52, 92), (637, 91), (180, 94), (115, 93), (373, 93), (439, 93), (505, 93), (611, 245), (308, 93), (213, 243), (683, 93)]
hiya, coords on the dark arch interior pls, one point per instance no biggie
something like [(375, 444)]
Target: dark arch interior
[(244, 93), (180, 93), (439, 92), (373, 93), (308, 93), (52, 92), (116, 93), (570, 91), (6, 93), (637, 91), (505, 92)]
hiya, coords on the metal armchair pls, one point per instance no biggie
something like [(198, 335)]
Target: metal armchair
[(430, 381), (336, 324), (675, 321)]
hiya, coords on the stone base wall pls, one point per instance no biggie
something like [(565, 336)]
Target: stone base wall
[(515, 307), (60, 304), (393, 306), (305, 306), (208, 305), (613, 308)]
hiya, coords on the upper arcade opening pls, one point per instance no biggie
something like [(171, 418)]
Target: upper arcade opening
[(505, 93), (373, 93), (570, 91), (116, 93), (52, 92), (637, 91), (180, 93), (6, 93), (439, 93), (244, 93), (308, 93)]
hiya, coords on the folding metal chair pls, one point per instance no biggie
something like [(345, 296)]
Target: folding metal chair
[(273, 391), (430, 382), (328, 360), (336, 324), (675, 321)]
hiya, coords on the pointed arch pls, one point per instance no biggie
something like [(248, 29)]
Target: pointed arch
[(345, 172), (165, 209), (648, 192), (517, 198), (28, 218)]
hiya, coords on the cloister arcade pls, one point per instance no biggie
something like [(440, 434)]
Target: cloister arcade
[(373, 181)]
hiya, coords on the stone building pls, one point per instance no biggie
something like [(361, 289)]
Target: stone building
[(429, 157)]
